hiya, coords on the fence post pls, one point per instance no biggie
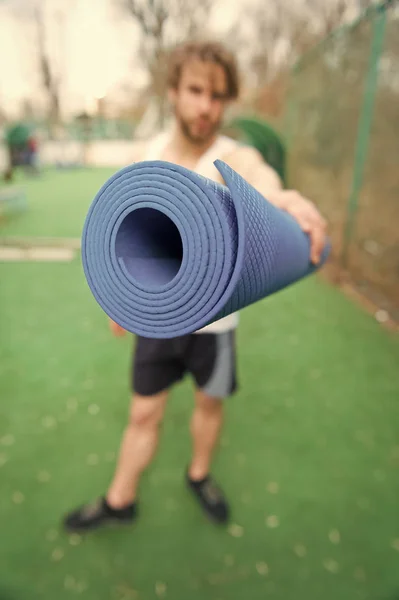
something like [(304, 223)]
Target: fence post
[(364, 126)]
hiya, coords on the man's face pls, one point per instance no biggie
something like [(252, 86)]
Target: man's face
[(200, 100)]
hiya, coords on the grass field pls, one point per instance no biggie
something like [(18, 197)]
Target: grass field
[(309, 454)]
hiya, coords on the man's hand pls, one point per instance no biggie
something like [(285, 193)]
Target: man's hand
[(249, 163), (116, 329), (307, 216)]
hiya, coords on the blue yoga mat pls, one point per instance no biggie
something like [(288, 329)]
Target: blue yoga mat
[(166, 251)]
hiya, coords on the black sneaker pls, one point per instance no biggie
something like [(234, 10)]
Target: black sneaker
[(98, 514), (211, 498)]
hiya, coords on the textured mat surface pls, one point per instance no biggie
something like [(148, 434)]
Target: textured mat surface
[(166, 251)]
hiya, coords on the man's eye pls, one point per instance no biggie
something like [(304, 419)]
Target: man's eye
[(195, 90)]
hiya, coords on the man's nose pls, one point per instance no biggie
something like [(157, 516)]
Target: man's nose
[(205, 103)]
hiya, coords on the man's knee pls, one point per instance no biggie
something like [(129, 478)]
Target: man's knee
[(207, 403), (147, 412)]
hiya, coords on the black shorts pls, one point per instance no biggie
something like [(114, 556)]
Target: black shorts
[(210, 358)]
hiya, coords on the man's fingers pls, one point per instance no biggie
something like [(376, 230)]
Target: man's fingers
[(317, 243), (116, 329), (315, 226), (306, 225), (311, 222)]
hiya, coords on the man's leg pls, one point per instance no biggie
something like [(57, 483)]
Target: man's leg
[(211, 360), (206, 424), (155, 370), (139, 443), (138, 447)]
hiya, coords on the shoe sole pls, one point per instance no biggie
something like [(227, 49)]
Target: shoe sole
[(205, 511), (110, 524)]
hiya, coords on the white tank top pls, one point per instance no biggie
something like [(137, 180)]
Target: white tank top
[(221, 147)]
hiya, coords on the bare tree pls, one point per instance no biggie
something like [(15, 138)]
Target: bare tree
[(269, 40), (269, 28), (44, 22), (162, 24), (273, 39), (49, 76), (328, 15)]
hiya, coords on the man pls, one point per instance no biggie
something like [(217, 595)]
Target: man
[(202, 82)]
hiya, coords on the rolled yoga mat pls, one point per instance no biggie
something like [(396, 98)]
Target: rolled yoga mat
[(166, 251)]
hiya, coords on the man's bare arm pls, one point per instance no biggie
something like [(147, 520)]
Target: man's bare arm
[(249, 163)]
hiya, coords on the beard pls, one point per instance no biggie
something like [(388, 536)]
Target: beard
[(188, 129)]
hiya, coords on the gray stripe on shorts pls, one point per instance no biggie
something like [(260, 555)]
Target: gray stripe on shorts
[(220, 382)]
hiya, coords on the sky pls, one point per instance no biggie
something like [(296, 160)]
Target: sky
[(92, 48), (93, 44)]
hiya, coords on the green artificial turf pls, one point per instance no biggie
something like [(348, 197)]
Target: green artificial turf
[(309, 454), (57, 202)]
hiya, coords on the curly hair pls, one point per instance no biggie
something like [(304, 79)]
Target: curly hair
[(213, 52)]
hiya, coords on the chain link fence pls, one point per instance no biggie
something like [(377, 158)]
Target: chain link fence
[(342, 128)]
